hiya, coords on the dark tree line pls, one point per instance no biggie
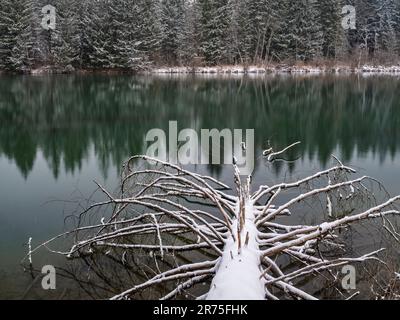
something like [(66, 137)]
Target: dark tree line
[(133, 34)]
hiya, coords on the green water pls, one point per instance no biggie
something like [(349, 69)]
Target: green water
[(59, 133)]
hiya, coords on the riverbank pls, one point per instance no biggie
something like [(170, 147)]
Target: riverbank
[(276, 69), (225, 70)]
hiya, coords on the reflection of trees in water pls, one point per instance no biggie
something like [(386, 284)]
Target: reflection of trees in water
[(65, 115)]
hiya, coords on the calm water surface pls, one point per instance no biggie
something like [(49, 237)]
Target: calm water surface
[(59, 133)]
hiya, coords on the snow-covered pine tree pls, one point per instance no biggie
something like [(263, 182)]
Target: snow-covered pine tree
[(239, 32), (67, 31), (86, 26), (61, 46), (148, 31), (118, 34), (172, 23), (300, 37), (279, 42), (366, 35), (331, 28), (96, 26), (397, 25), (258, 23), (387, 35), (127, 36), (17, 38), (101, 35), (4, 5), (214, 30), (188, 38)]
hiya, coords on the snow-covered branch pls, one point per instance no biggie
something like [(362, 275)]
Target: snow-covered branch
[(170, 215)]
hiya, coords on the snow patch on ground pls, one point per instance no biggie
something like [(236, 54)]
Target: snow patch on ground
[(239, 274), (380, 69), (260, 70)]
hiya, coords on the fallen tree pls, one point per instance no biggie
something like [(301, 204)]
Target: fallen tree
[(166, 211)]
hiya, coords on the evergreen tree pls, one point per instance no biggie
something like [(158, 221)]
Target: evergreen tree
[(148, 29), (214, 30), (188, 37), (60, 46), (98, 21), (17, 39), (257, 28), (331, 27), (4, 7), (388, 18), (126, 52), (300, 37), (67, 37), (241, 31), (172, 23)]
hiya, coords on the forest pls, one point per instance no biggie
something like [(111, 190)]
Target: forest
[(140, 34)]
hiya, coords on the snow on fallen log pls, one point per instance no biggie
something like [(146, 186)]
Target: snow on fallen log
[(239, 272)]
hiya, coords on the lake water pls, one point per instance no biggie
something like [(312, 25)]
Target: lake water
[(59, 133)]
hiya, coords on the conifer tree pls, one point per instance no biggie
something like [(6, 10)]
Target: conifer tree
[(214, 30), (17, 38)]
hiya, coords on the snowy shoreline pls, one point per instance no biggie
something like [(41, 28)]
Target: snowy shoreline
[(256, 70), (226, 70)]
